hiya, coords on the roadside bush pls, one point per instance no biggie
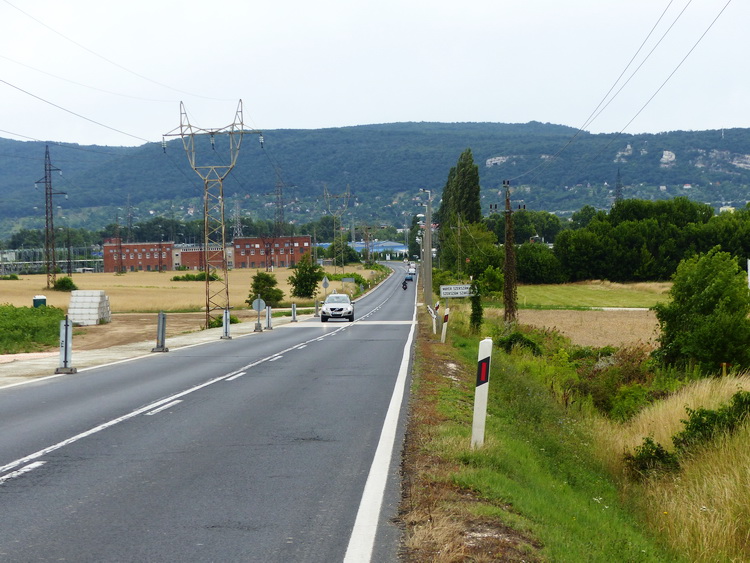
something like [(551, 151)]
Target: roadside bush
[(649, 458), (628, 401), (517, 339), (29, 329), (442, 277), (9, 277), (200, 276), (264, 286), (218, 322), (702, 425), (64, 284)]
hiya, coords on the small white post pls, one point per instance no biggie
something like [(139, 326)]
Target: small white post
[(480, 393), (294, 312), (268, 318), (445, 324), (225, 322), (161, 333), (66, 347)]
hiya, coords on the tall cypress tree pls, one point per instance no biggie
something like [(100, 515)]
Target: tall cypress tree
[(460, 206)]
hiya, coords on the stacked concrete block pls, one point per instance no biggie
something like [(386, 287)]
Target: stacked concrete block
[(89, 307)]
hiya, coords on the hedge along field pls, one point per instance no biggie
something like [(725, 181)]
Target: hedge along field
[(150, 291), (28, 330)]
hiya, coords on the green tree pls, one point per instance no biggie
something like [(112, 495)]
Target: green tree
[(706, 321), (264, 285), (460, 206), (536, 263), (305, 278), (584, 216), (342, 253)]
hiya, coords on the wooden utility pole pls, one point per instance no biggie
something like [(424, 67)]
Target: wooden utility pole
[(510, 294)]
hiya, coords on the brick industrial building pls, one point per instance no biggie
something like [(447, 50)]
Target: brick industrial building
[(245, 252)]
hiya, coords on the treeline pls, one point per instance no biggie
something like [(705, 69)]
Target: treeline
[(165, 229), (636, 240)]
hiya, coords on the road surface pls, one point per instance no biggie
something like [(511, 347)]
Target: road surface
[(280, 446)]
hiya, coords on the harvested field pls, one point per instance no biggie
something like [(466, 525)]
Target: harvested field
[(597, 328)]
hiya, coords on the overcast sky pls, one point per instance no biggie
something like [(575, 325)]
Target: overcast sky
[(299, 64)]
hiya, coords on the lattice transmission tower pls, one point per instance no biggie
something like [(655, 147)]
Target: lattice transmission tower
[(50, 260), (337, 211), (213, 170)]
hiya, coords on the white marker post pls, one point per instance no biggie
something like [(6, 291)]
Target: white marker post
[(294, 312), (226, 320), (445, 324), (480, 393), (269, 325), (161, 333), (66, 347)]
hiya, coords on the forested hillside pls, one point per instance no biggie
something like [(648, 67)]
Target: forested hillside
[(551, 168)]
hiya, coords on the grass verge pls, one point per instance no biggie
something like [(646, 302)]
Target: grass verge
[(534, 492)]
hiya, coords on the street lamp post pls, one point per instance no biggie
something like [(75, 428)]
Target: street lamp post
[(427, 251)]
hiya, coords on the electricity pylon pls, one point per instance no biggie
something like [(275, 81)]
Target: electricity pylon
[(214, 255), (337, 212), (49, 233)]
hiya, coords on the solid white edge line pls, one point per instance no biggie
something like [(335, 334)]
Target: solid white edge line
[(19, 472), (362, 539)]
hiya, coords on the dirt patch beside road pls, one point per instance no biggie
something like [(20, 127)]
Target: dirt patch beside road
[(128, 328)]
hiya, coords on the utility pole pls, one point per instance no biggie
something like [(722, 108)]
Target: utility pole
[(49, 233), (510, 294), (427, 251), (118, 241), (214, 231), (278, 223), (337, 212)]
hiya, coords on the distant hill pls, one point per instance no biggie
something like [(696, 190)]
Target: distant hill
[(551, 167)]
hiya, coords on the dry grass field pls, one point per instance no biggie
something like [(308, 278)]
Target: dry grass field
[(147, 291), (137, 297), (597, 328)]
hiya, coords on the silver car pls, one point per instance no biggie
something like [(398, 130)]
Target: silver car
[(337, 306)]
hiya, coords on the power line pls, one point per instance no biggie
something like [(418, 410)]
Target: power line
[(84, 85), (597, 111), (74, 113), (113, 63)]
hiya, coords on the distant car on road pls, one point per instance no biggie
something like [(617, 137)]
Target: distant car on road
[(409, 277), (337, 306)]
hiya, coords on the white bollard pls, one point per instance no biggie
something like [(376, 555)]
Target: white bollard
[(225, 323), (480, 393), (294, 312), (66, 347), (445, 325), (268, 318), (161, 333)]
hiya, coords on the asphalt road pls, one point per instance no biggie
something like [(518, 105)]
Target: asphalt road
[(283, 446)]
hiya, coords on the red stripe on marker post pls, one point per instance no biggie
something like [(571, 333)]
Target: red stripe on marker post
[(481, 392)]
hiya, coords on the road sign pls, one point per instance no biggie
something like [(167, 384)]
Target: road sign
[(463, 290), (325, 283), (259, 305)]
